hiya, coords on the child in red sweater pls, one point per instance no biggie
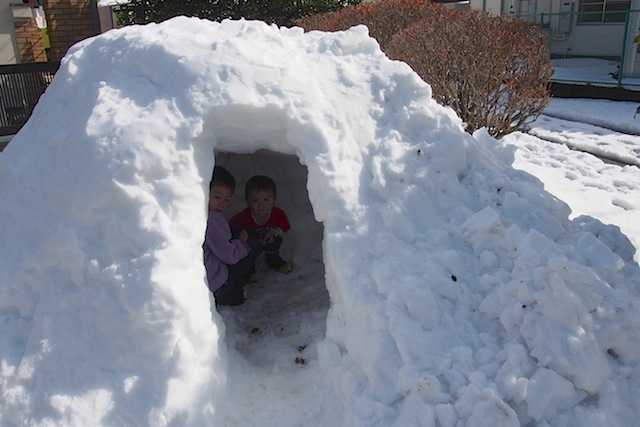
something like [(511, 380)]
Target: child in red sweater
[(268, 222)]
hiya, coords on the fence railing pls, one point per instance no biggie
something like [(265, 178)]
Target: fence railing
[(595, 47), (20, 88)]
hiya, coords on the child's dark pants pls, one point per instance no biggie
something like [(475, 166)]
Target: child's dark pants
[(232, 292)]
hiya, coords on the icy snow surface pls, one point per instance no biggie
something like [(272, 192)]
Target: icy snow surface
[(434, 284)]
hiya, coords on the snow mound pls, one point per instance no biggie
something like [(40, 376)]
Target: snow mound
[(460, 291)]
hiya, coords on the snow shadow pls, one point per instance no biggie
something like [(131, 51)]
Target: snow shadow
[(285, 314)]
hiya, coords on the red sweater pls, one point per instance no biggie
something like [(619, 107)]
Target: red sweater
[(245, 220)]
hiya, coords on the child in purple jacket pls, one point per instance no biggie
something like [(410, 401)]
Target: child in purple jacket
[(226, 259)]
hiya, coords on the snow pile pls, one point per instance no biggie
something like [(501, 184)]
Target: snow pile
[(459, 289)]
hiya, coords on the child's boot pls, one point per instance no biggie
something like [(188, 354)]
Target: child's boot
[(253, 274), (277, 263)]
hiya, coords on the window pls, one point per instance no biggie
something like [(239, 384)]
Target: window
[(603, 11)]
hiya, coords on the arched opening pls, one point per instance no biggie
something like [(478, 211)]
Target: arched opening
[(284, 316)]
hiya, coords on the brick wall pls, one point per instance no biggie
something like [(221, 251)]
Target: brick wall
[(69, 21), (30, 41)]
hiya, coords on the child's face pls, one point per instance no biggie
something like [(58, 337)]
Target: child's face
[(219, 198), (261, 203)]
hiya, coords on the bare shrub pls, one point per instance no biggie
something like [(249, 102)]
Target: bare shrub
[(492, 70), (383, 18)]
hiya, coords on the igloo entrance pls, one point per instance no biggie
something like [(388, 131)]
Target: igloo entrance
[(285, 313)]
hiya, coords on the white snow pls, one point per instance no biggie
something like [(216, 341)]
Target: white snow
[(604, 191), (105, 3), (435, 282), (605, 128), (588, 69)]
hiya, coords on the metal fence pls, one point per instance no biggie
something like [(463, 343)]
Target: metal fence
[(595, 47), (20, 88)]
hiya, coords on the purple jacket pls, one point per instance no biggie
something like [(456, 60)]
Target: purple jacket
[(220, 250)]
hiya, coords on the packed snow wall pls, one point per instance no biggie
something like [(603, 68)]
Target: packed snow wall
[(444, 265)]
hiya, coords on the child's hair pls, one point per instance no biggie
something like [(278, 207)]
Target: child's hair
[(259, 182), (222, 177)]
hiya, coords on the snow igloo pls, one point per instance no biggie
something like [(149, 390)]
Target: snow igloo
[(451, 287)]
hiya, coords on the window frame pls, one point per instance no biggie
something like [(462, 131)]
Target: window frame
[(604, 12)]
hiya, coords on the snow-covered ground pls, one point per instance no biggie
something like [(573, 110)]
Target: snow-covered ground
[(601, 127), (592, 70), (589, 185), (435, 282)]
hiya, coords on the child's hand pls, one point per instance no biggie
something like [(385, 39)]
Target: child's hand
[(243, 235), (268, 237)]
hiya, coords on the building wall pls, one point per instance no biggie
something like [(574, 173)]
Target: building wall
[(20, 38), (8, 45), (69, 21), (491, 6), (30, 40), (105, 16)]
